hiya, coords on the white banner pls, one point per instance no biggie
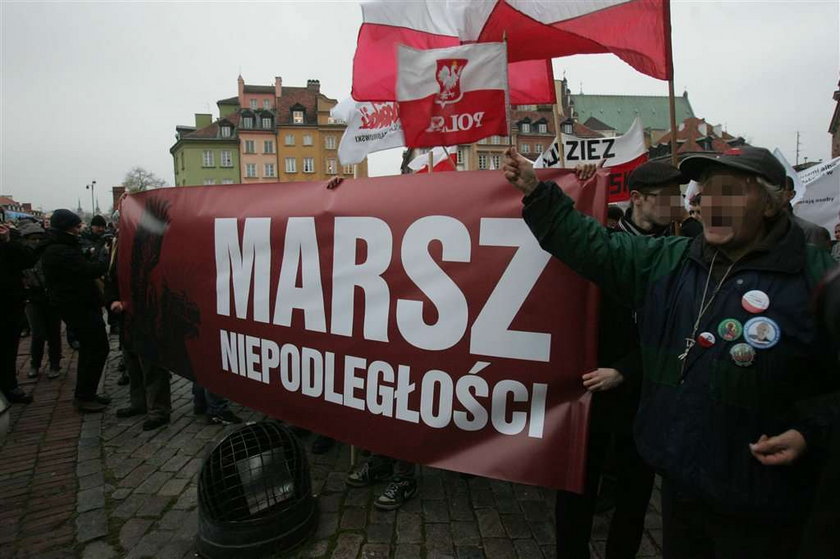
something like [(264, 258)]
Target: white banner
[(614, 151), (821, 201), (371, 127)]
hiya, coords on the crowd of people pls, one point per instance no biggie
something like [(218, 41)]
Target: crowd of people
[(715, 370)]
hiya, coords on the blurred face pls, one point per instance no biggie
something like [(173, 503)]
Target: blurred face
[(98, 229), (76, 230), (659, 206), (733, 206), (837, 232)]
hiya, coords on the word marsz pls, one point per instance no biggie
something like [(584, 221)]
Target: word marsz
[(470, 402), (243, 275), (457, 123)]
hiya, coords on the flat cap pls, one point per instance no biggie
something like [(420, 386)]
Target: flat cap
[(746, 159), (654, 174)]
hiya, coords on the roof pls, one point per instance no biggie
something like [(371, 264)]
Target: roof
[(4, 201), (595, 124), (260, 89), (697, 136), (619, 111), (229, 101)]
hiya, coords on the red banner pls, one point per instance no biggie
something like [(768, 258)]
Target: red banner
[(414, 316)]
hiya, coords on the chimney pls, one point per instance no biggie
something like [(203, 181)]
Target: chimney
[(313, 85), (241, 90), (203, 120), (278, 86)]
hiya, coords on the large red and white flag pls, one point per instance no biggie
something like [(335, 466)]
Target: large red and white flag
[(451, 96), (442, 160), (371, 127), (637, 31)]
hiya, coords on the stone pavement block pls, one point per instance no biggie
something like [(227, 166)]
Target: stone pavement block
[(153, 483), (347, 547), (438, 539), (460, 508), (314, 549), (407, 551), (137, 476), (386, 516), (128, 507), (549, 551), (98, 550), (153, 506), (527, 549), (651, 544), (173, 487), (376, 551), (469, 552), (176, 549), (150, 545), (173, 519), (535, 510), (498, 548), (327, 525), (409, 527), (119, 494), (120, 466), (379, 532), (329, 503), (353, 519), (432, 488), (507, 504), (528, 493), (516, 526), (91, 481), (335, 483), (132, 531), (489, 523), (89, 467), (435, 511), (190, 468), (543, 532), (176, 462), (91, 525), (90, 499), (357, 497), (465, 533), (188, 499)]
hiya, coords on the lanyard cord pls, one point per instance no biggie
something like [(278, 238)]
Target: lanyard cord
[(704, 306)]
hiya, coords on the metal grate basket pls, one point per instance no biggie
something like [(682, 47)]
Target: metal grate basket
[(254, 493)]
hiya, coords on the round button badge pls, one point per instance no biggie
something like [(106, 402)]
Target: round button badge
[(730, 329), (755, 301), (762, 332), (742, 354), (706, 339)]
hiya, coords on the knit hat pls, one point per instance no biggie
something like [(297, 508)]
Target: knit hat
[(98, 221), (64, 219)]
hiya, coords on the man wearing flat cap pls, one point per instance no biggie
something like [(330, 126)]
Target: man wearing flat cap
[(733, 427), (615, 386), (72, 289)]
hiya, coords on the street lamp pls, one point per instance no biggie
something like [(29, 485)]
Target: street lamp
[(91, 186)]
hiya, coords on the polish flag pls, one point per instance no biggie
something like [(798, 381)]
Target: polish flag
[(637, 31), (371, 127), (441, 160), (452, 96)]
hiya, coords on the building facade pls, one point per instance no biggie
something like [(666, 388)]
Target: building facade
[(264, 134)]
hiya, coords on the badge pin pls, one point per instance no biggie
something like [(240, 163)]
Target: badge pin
[(742, 354), (730, 329), (762, 332), (706, 339), (755, 301)]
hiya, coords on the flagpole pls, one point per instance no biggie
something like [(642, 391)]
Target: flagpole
[(431, 160), (672, 104), (559, 141)]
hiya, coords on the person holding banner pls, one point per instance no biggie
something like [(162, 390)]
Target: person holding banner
[(615, 388), (733, 427), (814, 234)]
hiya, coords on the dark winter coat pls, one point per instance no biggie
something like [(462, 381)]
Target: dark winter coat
[(15, 257), (696, 418), (70, 276)]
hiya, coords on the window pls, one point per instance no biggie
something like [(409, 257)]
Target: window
[(227, 159), (524, 148), (266, 104), (297, 117), (483, 140), (329, 142), (347, 169), (307, 139), (290, 139), (207, 159), (268, 146), (247, 122), (567, 128), (249, 146), (496, 140), (227, 181), (496, 160), (253, 103), (542, 128), (308, 164), (269, 170), (332, 166), (527, 107), (538, 148), (266, 122), (208, 182), (226, 132), (482, 161), (291, 165), (525, 128), (251, 170)]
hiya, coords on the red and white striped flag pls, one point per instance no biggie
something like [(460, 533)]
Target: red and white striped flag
[(442, 160), (452, 96), (637, 31)]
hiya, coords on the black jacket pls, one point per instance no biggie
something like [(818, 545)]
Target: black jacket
[(15, 257), (70, 276)]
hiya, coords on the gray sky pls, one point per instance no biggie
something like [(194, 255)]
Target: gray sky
[(89, 90)]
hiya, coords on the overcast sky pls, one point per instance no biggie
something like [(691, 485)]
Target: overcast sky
[(90, 90)]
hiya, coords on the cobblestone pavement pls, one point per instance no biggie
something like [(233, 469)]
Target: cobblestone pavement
[(97, 487)]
